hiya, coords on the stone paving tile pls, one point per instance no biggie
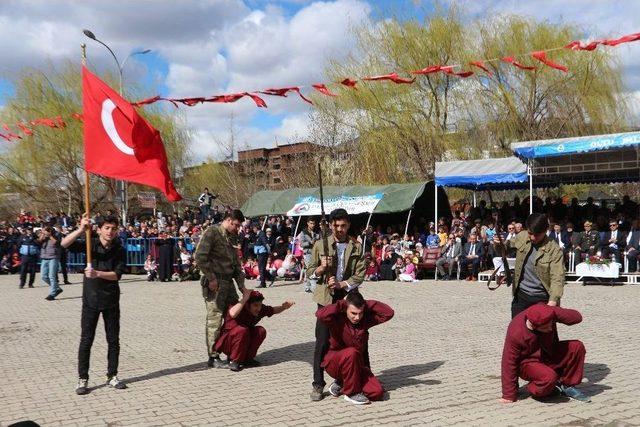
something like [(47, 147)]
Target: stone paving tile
[(439, 359)]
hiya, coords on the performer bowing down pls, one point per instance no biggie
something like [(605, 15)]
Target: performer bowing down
[(240, 337), (348, 321), (533, 352)]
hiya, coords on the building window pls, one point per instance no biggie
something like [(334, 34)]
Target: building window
[(277, 180), (276, 166)]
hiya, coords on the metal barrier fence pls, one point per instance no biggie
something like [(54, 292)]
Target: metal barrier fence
[(137, 251)]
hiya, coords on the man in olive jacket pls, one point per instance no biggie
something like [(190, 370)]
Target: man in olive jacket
[(341, 272), (218, 261), (539, 272)]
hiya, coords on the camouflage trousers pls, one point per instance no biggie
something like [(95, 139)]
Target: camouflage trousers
[(217, 304)]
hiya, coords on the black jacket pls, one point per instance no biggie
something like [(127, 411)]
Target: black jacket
[(99, 293)]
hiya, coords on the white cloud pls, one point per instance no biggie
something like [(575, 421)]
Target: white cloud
[(223, 46)]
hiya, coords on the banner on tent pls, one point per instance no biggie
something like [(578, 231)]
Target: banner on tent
[(580, 145), (307, 206)]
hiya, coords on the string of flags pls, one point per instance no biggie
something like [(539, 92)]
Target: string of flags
[(21, 130)]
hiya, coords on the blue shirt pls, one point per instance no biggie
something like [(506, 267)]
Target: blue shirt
[(432, 241)]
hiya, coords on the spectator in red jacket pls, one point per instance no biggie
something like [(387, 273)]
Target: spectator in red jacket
[(348, 321), (533, 352), (240, 337)]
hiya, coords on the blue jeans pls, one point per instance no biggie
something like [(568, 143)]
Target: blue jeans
[(49, 272)]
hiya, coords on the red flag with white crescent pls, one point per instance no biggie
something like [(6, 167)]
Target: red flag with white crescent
[(118, 142)]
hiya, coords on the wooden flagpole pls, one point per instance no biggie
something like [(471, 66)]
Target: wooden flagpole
[(87, 206)]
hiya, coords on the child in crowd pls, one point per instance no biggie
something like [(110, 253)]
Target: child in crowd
[(151, 267), (408, 273), (433, 241), (372, 272), (398, 267), (249, 268), (190, 273), (271, 270), (442, 235), (185, 259), (5, 265)]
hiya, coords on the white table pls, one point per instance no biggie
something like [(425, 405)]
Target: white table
[(598, 271)]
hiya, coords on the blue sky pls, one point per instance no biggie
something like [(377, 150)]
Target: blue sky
[(206, 47)]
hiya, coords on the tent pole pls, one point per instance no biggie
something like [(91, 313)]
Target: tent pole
[(435, 204), (295, 235), (406, 228), (475, 203), (364, 239), (369, 220), (530, 170), (264, 223)]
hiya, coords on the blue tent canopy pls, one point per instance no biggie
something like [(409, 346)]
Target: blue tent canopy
[(583, 144), (582, 160), (485, 174)]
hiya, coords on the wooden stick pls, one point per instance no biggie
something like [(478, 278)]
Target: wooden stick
[(87, 205)]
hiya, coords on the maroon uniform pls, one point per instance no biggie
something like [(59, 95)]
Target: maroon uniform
[(541, 358), (348, 344), (240, 337)]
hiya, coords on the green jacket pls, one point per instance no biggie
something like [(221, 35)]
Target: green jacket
[(354, 267), (215, 254), (549, 264)]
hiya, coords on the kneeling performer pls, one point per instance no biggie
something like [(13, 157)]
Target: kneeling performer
[(348, 321), (240, 337), (533, 352)]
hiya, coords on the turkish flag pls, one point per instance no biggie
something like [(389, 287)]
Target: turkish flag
[(118, 142)]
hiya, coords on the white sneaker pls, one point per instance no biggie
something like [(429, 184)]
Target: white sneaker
[(116, 383), (357, 399), (335, 389), (82, 387)]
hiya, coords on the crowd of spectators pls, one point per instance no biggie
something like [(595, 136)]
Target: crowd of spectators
[(269, 249)]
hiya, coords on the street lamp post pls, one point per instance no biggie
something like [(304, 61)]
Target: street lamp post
[(121, 186)]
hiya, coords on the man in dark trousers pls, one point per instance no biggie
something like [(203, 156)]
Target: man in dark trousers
[(307, 238), (166, 253), (348, 321), (262, 249), (339, 272), (533, 352), (539, 272), (204, 201), (561, 237), (29, 248), (613, 242), (470, 258), (100, 295), (633, 246)]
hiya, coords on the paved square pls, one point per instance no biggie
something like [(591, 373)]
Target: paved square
[(439, 358)]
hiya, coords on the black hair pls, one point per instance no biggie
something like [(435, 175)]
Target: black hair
[(109, 219), (355, 299), (235, 214), (537, 223), (255, 298), (338, 215)]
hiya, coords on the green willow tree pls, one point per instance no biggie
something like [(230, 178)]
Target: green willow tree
[(402, 129), (46, 168)]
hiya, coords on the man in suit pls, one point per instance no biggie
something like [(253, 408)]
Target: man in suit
[(633, 247), (561, 237), (471, 256), (448, 255), (613, 242)]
